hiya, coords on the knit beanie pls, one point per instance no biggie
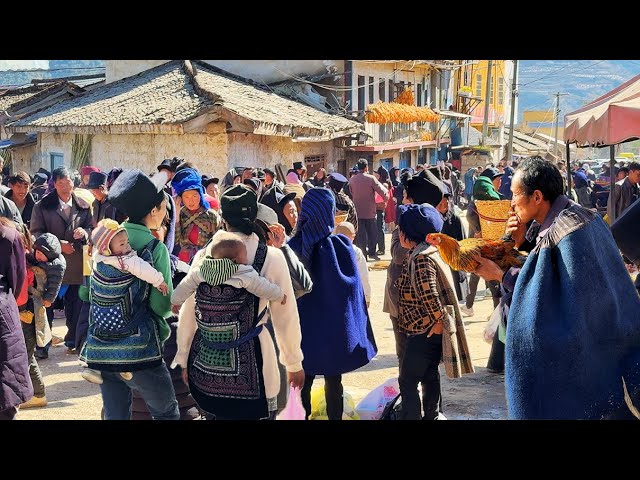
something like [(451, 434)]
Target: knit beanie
[(417, 221), (103, 234)]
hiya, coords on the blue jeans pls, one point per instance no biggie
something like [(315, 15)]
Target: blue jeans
[(154, 386)]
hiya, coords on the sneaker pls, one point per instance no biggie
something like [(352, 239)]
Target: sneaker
[(380, 252), (90, 375), (467, 312), (126, 375), (35, 402), (58, 314), (374, 257), (56, 340)]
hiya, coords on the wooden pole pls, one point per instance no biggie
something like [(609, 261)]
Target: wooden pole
[(612, 182), (568, 172)]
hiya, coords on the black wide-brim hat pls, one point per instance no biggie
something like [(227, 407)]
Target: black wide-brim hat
[(135, 194), (626, 232)]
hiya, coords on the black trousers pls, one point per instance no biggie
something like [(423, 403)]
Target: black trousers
[(332, 394), (420, 365), (492, 285), (380, 228), (367, 236), (401, 339), (73, 310)]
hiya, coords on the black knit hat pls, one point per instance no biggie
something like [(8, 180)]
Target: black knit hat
[(424, 187), (239, 205), (135, 194)]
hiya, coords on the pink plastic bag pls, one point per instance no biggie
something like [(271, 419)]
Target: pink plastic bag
[(294, 409)]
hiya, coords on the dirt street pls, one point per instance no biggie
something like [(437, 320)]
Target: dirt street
[(476, 396)]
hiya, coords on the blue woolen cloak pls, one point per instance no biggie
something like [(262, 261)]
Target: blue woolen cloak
[(573, 329), (336, 330)]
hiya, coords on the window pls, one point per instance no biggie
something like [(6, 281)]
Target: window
[(57, 160), (419, 96), (381, 90), (500, 91), (405, 159), (391, 97), (372, 89), (478, 85), (361, 93), (422, 156), (491, 90)]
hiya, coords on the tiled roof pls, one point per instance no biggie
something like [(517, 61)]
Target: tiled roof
[(261, 105), (161, 95), (173, 93), (17, 95)]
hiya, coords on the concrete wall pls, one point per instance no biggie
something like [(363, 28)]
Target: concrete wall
[(248, 150), (267, 71), (207, 150), (213, 152), (24, 159)]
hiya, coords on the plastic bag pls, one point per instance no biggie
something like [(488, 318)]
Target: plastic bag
[(319, 405), (492, 325), (373, 404), (294, 409)]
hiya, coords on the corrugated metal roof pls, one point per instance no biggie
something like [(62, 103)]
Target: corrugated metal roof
[(173, 94)]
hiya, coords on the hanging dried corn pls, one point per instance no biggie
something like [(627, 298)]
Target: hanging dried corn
[(406, 97), (382, 113)]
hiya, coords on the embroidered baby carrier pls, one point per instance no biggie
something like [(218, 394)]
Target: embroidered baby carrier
[(225, 360), (122, 333)]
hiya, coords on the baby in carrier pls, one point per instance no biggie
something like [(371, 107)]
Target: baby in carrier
[(111, 246), (225, 261)]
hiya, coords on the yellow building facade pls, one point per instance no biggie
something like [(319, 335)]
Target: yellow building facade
[(471, 85)]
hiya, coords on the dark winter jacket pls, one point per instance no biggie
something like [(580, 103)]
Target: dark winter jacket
[(15, 383), (9, 210), (300, 278), (28, 208), (104, 209), (48, 217), (55, 267)]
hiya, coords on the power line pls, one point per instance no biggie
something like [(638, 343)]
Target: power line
[(556, 71)]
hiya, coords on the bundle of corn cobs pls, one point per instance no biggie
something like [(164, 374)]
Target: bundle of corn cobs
[(406, 97), (382, 112)]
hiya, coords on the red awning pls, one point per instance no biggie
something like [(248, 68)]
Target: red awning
[(610, 119)]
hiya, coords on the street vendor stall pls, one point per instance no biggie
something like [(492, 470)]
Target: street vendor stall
[(609, 120)]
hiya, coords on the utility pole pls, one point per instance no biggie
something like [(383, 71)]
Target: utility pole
[(487, 96), (555, 147), (514, 94)]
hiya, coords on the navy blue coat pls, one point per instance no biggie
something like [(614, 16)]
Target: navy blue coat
[(336, 331)]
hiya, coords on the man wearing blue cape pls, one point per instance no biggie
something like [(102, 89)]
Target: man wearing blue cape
[(573, 330)]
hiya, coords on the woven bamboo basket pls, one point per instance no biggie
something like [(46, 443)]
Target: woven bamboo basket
[(493, 217)]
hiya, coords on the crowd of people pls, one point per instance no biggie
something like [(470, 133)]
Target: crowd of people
[(189, 293)]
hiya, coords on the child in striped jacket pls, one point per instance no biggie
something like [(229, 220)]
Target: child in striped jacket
[(225, 261)]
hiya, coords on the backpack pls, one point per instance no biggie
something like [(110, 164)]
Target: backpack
[(117, 299), (123, 331), (225, 359)]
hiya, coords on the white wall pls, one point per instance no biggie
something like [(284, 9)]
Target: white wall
[(267, 71), (208, 151), (248, 150), (213, 152)]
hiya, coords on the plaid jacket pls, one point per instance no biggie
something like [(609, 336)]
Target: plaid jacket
[(439, 301)]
